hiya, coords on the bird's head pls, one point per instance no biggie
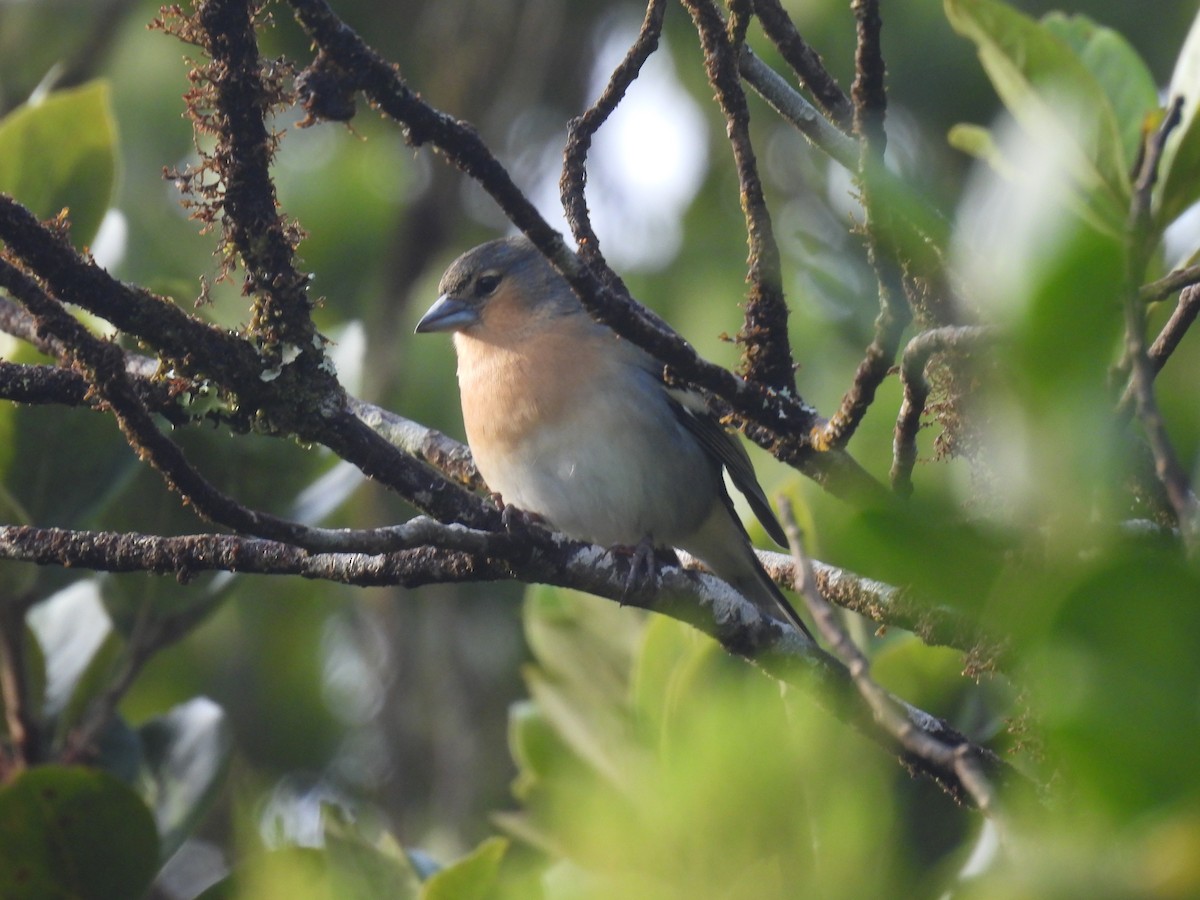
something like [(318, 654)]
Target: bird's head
[(499, 289)]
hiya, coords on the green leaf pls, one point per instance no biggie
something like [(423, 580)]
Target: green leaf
[(61, 153), (1052, 95), (534, 745), (977, 141), (1119, 702), (186, 752), (1179, 172), (346, 870), (471, 878), (1121, 73), (74, 833), (119, 751)]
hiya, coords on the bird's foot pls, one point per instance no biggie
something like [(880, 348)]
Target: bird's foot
[(643, 565), (514, 519)]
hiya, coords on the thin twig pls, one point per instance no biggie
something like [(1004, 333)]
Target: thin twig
[(868, 91), (958, 758), (893, 607), (1175, 328), (785, 100), (1169, 337), (870, 106), (916, 391), (1166, 463), (767, 356), (1169, 284), (582, 129), (805, 62)]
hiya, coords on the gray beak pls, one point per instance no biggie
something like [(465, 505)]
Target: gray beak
[(447, 314)]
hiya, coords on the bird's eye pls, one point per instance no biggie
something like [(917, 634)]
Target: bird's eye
[(487, 284)]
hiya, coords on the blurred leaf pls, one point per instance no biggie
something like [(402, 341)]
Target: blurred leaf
[(555, 622), (10, 508), (714, 789), (977, 141), (929, 677), (1121, 73), (346, 870), (471, 878), (74, 833), (119, 751), (1119, 701), (186, 753), (73, 465), (1179, 173), (594, 732), (1051, 93), (71, 627), (534, 745), (134, 603), (929, 547), (60, 153)]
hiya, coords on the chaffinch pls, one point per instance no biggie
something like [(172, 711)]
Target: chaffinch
[(570, 422)]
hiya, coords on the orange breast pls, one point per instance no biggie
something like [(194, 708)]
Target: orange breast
[(510, 390)]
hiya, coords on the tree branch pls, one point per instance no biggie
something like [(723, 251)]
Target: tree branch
[(582, 129), (767, 356), (805, 62), (916, 392), (437, 553), (947, 756), (1169, 284), (870, 105), (242, 96), (899, 607), (1166, 464), (789, 104)]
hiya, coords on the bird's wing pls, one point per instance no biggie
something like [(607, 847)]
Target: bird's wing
[(691, 411)]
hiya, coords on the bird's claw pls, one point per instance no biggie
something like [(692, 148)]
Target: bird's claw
[(643, 566), (514, 519)]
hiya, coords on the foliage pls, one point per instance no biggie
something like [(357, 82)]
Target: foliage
[(160, 719)]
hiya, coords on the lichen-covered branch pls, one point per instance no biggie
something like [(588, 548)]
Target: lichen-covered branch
[(767, 356), (916, 392), (961, 767), (805, 62), (870, 105), (439, 553), (1166, 463)]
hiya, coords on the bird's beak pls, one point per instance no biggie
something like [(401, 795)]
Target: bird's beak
[(447, 314)]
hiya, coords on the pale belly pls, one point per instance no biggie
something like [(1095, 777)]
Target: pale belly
[(620, 474)]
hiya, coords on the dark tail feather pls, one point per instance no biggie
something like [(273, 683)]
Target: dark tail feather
[(766, 595)]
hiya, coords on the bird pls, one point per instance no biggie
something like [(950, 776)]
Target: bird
[(573, 424)]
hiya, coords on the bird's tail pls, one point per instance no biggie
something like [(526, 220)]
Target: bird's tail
[(753, 583), (721, 543)]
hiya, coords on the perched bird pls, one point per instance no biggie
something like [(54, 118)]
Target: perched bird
[(572, 423)]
